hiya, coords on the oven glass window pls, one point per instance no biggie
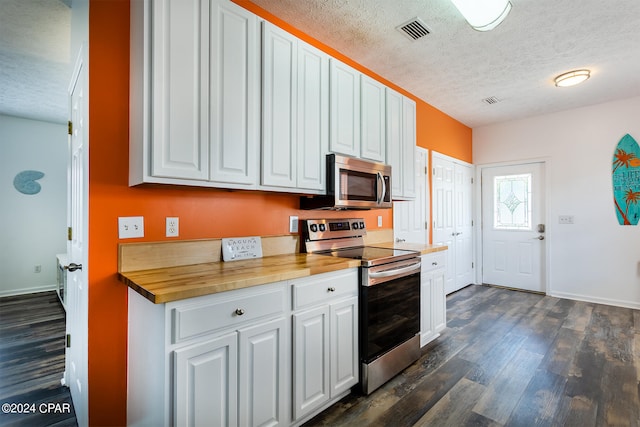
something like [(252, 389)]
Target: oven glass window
[(389, 315), (357, 185)]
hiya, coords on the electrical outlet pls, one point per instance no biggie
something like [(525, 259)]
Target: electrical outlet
[(172, 227), (293, 224), (565, 219), (37, 268), (130, 227), (379, 220)]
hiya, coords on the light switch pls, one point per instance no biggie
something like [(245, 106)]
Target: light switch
[(130, 227), (293, 224)]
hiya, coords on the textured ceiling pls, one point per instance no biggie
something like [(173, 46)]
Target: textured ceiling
[(454, 68), (34, 59)]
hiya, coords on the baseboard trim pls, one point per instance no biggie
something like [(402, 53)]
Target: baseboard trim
[(596, 300), (25, 291)]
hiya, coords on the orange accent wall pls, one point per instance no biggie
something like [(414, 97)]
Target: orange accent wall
[(203, 213)]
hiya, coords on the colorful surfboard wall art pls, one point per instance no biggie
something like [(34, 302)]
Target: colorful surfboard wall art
[(625, 175)]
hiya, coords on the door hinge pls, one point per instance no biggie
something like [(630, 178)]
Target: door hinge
[(69, 233), (434, 171), (68, 340), (426, 170), (70, 127), (472, 223), (426, 225), (472, 180), (472, 265)]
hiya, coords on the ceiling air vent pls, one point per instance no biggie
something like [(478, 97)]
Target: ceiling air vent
[(414, 29), (491, 100)]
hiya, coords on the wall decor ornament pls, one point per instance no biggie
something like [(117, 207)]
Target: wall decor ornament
[(25, 182), (625, 176)]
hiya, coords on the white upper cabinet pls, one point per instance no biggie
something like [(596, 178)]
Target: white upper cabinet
[(313, 117), (295, 113), (178, 102), (372, 123), (401, 143), (408, 148), (345, 109), (195, 90), (279, 106), (234, 58)]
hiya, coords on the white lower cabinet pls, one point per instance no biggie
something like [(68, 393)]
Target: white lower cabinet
[(433, 312), (268, 355), (325, 341)]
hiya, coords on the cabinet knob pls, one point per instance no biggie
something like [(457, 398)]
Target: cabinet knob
[(239, 311), (331, 289)]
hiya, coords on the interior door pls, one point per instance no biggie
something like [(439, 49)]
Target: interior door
[(453, 218), (410, 216), (513, 207), (77, 303)]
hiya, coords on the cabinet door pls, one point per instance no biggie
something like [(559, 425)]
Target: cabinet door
[(263, 374), (234, 94), (408, 147), (439, 302), (180, 146), (344, 345), (372, 120), (312, 116), (345, 109), (205, 383), (426, 310), (394, 141), (279, 86), (310, 360)]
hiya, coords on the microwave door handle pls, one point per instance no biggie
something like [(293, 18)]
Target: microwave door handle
[(383, 187)]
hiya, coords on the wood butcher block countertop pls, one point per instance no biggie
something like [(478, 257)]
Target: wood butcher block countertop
[(161, 285), (170, 271)]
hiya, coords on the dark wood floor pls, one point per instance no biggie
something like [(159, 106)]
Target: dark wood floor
[(32, 331), (510, 358)]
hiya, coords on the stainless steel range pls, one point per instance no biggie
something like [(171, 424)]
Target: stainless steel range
[(389, 302)]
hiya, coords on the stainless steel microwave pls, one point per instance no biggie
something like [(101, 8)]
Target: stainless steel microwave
[(353, 184)]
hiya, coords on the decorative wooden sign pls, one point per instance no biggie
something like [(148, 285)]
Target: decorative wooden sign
[(237, 248), (625, 175)]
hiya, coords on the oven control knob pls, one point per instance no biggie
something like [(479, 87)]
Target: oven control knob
[(314, 227), (355, 225), (322, 227), (361, 225)]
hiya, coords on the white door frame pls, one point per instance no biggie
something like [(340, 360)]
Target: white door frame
[(549, 226)]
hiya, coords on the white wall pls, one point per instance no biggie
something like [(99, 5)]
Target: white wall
[(595, 259), (33, 226)]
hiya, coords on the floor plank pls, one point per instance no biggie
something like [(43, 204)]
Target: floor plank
[(32, 345)]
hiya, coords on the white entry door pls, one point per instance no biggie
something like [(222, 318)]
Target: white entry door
[(513, 207), (410, 217), (77, 297)]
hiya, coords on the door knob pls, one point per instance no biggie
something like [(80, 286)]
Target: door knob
[(539, 238), (73, 267)]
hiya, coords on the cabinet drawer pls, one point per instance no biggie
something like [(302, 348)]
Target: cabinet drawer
[(317, 289), (226, 311), (434, 260)]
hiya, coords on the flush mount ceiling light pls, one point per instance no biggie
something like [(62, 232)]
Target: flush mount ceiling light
[(572, 78), (483, 15)]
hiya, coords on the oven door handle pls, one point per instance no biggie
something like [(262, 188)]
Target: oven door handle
[(395, 271)]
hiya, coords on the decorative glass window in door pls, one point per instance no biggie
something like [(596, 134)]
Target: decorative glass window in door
[(512, 198)]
